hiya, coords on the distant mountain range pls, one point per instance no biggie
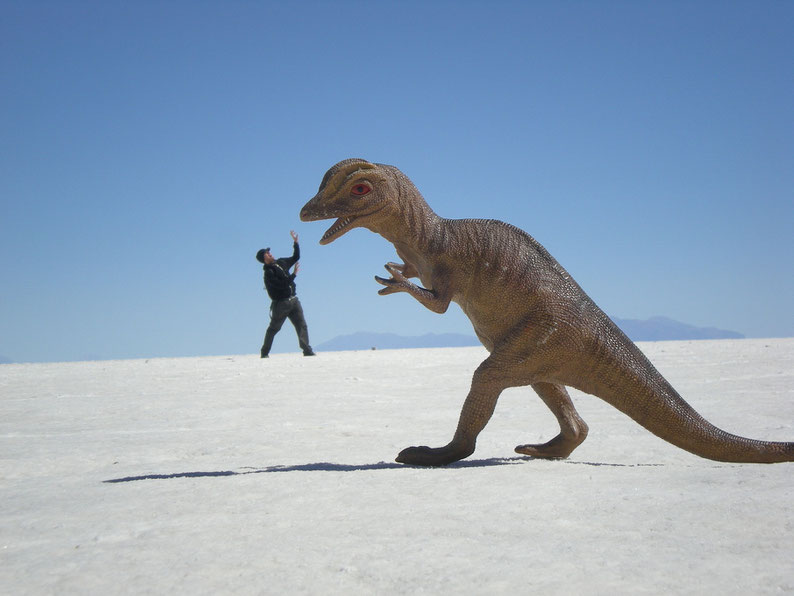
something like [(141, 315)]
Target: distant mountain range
[(391, 341), (653, 329), (662, 329)]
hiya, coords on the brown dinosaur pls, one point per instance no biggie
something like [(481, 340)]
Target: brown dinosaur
[(539, 326)]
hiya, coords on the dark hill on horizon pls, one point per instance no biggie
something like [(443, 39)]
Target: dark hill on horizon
[(363, 340), (666, 329), (653, 329)]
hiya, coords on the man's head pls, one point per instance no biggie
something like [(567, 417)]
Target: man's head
[(264, 256)]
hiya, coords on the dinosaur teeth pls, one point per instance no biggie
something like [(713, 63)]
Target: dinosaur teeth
[(338, 226)]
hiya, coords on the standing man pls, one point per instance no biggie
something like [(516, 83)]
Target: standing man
[(280, 286)]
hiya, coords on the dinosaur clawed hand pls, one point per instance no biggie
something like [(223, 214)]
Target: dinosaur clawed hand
[(397, 283)]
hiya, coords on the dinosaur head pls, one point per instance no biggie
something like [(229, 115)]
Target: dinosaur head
[(358, 193)]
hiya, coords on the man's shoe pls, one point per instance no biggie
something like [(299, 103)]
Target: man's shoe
[(309, 354), (263, 356)]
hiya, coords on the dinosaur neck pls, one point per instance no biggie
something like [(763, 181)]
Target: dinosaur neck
[(409, 224), (412, 226)]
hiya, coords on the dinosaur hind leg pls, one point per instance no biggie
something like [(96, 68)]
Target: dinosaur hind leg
[(573, 429), (486, 386)]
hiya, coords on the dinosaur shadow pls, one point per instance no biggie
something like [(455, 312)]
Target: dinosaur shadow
[(334, 467), (320, 467)]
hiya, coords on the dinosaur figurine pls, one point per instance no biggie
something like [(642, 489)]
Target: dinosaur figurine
[(539, 326)]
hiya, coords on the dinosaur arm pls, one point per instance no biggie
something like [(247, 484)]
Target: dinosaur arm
[(436, 300), (406, 269)]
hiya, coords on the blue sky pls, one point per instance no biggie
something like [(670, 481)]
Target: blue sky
[(150, 148)]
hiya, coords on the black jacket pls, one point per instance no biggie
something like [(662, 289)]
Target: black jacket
[(279, 282)]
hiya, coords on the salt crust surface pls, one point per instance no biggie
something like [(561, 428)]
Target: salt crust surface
[(239, 475)]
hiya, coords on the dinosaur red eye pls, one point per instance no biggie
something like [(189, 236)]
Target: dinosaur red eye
[(360, 189)]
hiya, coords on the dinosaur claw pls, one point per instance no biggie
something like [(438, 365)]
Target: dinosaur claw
[(392, 285), (415, 456), (558, 448), (395, 270), (433, 456)]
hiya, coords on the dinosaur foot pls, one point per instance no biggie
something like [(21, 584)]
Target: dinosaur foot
[(558, 448), (429, 456)]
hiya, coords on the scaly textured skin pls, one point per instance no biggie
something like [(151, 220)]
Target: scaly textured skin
[(539, 326)]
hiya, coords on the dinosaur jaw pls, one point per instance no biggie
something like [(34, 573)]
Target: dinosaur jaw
[(340, 227), (349, 216)]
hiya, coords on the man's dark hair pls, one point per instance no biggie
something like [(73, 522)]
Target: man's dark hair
[(260, 254)]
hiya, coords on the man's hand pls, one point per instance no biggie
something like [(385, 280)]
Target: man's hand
[(294, 236)]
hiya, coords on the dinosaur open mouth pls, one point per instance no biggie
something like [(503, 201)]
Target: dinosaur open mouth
[(340, 227)]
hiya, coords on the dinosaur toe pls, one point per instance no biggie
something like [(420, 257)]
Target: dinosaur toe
[(558, 448), (432, 456)]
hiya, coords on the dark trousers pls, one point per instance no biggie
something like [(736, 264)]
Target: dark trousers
[(279, 311)]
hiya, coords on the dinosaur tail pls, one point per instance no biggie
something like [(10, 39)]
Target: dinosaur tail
[(679, 424), (634, 386)]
